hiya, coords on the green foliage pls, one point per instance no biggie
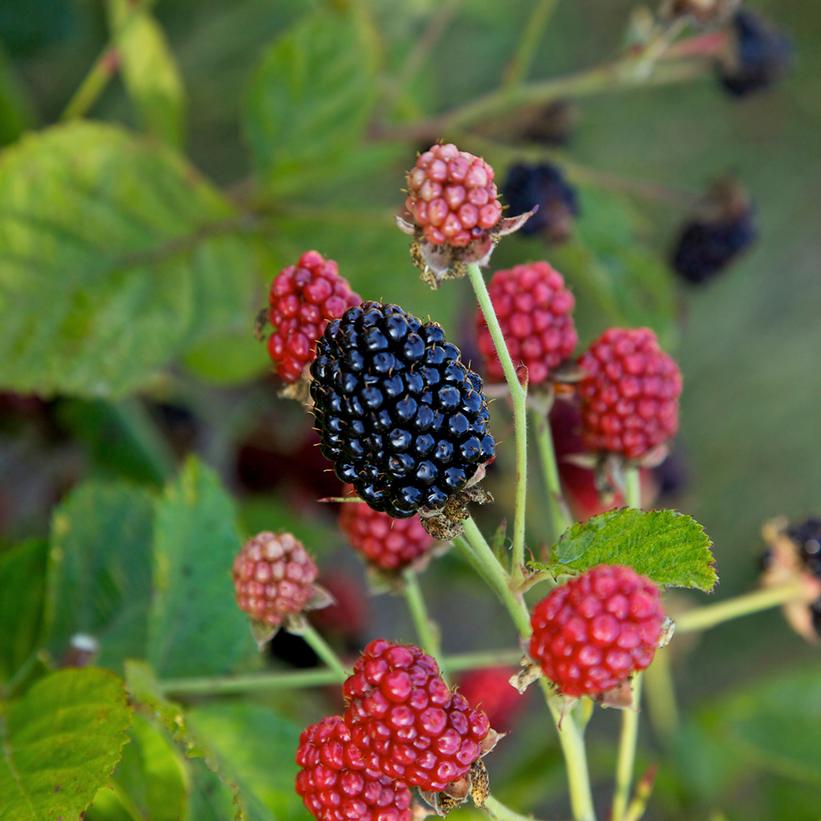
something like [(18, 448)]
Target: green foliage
[(22, 574), (100, 570), (14, 112), (60, 743), (310, 98), (116, 258), (148, 69), (195, 626), (668, 547), (255, 748)]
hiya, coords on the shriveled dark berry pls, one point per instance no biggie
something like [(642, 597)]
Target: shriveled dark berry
[(399, 414), (760, 55), (807, 538), (542, 185)]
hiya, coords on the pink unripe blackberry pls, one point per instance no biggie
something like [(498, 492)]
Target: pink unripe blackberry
[(594, 631), (303, 298), (451, 196), (335, 784), (273, 578), (387, 543), (409, 724), (535, 311), (629, 393)]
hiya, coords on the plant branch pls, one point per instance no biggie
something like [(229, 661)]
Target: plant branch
[(534, 29), (559, 517), (518, 396), (324, 651), (661, 696), (93, 84), (496, 809), (426, 630), (704, 618)]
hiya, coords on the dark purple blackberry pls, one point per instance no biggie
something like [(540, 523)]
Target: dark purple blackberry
[(398, 413), (721, 229), (544, 186), (760, 56), (807, 538)]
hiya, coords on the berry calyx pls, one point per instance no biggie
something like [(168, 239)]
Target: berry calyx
[(408, 723), (385, 542), (542, 186), (490, 690), (451, 197), (629, 393), (399, 414), (535, 311), (302, 299), (592, 633), (274, 578), (335, 784)]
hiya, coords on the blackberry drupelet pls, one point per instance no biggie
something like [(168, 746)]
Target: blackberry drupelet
[(399, 414)]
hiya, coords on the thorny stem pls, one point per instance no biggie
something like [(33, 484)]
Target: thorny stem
[(285, 680), (559, 518), (534, 28), (628, 738), (325, 652), (426, 630), (571, 737), (518, 396), (706, 617)]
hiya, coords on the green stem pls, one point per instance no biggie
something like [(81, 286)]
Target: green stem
[(661, 697), (324, 651), (286, 680), (559, 518), (571, 738), (93, 85), (534, 29), (706, 617), (628, 738), (627, 752), (426, 630), (518, 396), (496, 809)]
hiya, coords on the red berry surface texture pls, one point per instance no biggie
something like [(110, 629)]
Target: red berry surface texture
[(302, 300), (387, 543), (534, 307), (408, 722), (591, 633), (451, 196), (335, 783), (629, 393), (273, 577), (490, 690)]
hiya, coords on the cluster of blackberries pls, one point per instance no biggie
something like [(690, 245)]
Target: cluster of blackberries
[(402, 418)]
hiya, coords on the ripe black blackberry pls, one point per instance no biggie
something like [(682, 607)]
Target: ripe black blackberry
[(399, 414)]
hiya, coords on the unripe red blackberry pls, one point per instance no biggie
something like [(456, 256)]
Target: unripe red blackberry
[(451, 196), (335, 783), (535, 311), (629, 393), (303, 298), (387, 543), (273, 578), (400, 416), (591, 633), (490, 690), (407, 721)]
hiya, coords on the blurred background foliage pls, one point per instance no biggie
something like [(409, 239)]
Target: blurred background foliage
[(130, 273)]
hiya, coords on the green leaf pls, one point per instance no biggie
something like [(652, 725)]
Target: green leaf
[(15, 115), (133, 250), (773, 723), (100, 570), (60, 744), (255, 747), (668, 547), (148, 69), (230, 359), (22, 587), (310, 98), (195, 627)]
